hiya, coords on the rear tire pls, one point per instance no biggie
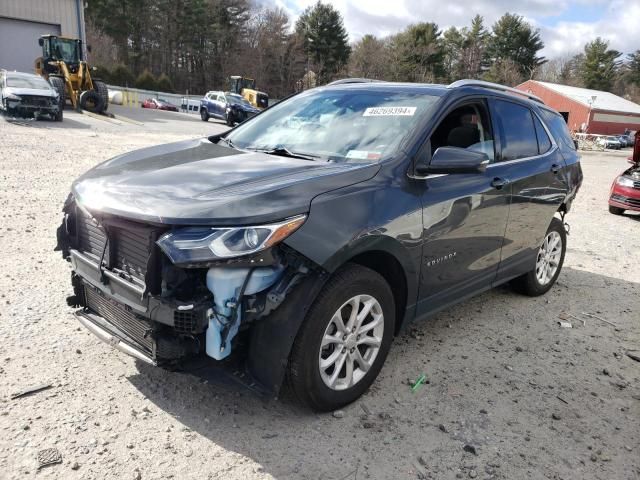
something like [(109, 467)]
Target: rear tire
[(548, 264), (331, 341), (616, 210), (91, 101), (58, 84), (204, 114), (101, 87)]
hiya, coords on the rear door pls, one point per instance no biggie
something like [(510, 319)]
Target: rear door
[(464, 215), (530, 161)]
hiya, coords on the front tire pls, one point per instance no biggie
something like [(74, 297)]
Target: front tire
[(204, 114), (548, 264), (58, 84), (616, 210), (101, 88), (344, 339)]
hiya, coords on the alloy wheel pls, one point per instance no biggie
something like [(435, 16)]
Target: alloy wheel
[(351, 342), (548, 258)]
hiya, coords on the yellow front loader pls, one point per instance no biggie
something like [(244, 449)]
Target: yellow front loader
[(247, 88), (62, 63)]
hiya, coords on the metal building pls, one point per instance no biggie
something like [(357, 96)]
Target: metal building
[(23, 21), (597, 111)]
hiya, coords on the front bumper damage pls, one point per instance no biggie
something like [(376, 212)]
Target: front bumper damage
[(142, 305)]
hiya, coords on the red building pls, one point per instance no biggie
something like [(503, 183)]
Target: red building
[(600, 112)]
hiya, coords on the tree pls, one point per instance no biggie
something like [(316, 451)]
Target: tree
[(325, 39), (474, 53), (417, 53), (600, 66), (633, 67), (122, 76), (163, 84), (515, 40), (452, 47), (369, 58), (146, 81)]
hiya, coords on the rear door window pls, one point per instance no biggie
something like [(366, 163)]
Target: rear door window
[(517, 131)]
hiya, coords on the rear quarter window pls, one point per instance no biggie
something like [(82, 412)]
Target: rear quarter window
[(558, 128), (544, 142)]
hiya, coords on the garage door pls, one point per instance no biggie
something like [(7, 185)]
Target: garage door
[(19, 43)]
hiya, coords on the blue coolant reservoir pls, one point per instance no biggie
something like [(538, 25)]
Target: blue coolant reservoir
[(225, 284)]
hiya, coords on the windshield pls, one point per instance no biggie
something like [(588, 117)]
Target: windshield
[(27, 82), (336, 125), (66, 50)]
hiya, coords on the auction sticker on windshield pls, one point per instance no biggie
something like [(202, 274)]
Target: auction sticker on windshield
[(389, 112)]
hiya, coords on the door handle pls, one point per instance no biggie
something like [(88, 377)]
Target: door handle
[(555, 168), (498, 182)]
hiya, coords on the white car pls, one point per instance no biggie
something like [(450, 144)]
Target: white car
[(27, 95)]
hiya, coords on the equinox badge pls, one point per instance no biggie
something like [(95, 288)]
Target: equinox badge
[(438, 260)]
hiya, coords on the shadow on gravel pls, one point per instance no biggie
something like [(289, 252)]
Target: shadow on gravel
[(44, 124), (499, 351)]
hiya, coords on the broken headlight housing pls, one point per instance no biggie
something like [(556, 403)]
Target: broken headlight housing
[(624, 181), (191, 245)]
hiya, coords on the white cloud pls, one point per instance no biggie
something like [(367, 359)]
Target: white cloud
[(561, 22)]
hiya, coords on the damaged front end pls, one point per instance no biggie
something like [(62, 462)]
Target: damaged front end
[(165, 295)]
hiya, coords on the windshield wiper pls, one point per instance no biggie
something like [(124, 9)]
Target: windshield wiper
[(227, 141), (281, 151)]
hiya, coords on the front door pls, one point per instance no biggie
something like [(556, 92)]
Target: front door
[(464, 215)]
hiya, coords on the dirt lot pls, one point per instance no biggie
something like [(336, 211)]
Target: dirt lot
[(531, 399)]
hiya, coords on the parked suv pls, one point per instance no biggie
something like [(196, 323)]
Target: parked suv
[(230, 107), (307, 237)]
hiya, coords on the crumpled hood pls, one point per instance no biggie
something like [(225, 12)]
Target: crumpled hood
[(246, 108), (29, 91), (196, 182)]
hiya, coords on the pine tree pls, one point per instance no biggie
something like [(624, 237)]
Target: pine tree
[(600, 66), (515, 41), (474, 53), (633, 67), (453, 47), (325, 39)]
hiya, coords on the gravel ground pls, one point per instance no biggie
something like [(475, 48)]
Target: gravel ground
[(510, 395)]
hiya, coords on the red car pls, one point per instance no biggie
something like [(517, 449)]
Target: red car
[(159, 104), (625, 191)]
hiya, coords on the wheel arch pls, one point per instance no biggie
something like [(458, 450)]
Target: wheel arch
[(391, 259)]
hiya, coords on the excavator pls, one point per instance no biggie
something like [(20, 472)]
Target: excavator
[(246, 87), (63, 64)]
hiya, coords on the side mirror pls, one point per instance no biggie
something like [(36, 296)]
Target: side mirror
[(454, 160), (41, 41)]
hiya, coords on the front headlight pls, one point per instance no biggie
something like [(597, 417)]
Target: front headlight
[(13, 96), (624, 181), (192, 245)]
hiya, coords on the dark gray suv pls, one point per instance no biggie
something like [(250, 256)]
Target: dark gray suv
[(302, 241)]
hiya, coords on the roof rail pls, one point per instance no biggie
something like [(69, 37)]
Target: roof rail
[(494, 86), (344, 81)]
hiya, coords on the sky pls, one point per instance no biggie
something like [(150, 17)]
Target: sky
[(565, 25)]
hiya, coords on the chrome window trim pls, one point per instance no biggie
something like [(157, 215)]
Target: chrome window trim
[(525, 159)]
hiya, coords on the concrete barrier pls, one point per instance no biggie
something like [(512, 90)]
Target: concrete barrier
[(133, 97)]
